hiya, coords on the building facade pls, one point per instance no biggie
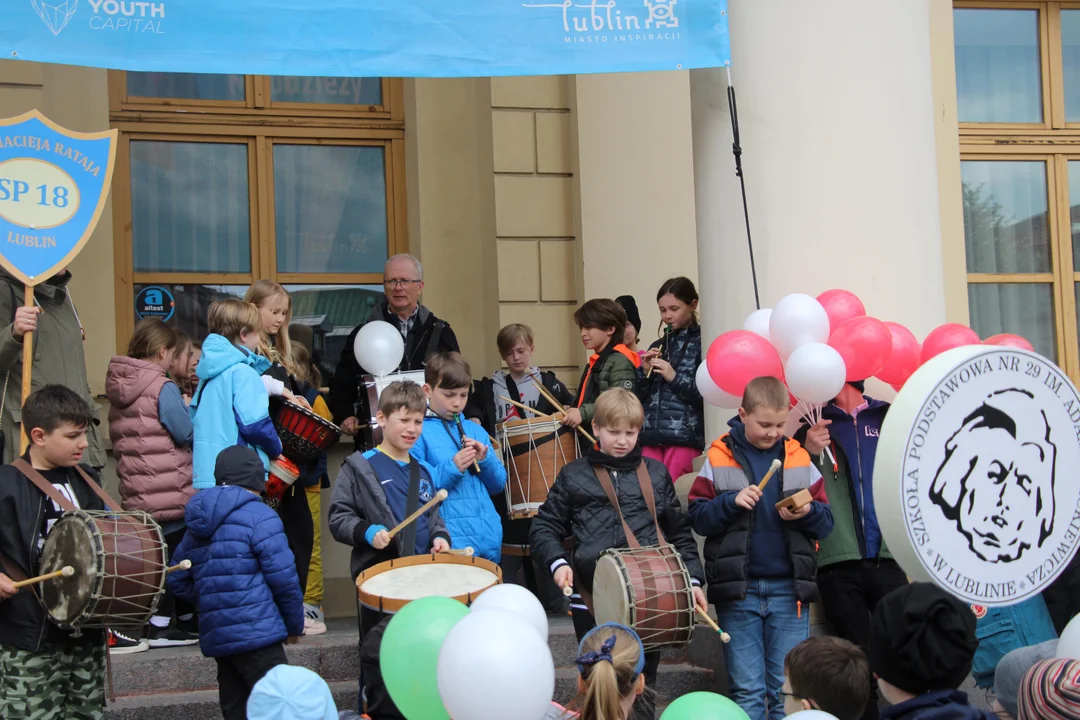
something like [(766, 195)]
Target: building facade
[(924, 154)]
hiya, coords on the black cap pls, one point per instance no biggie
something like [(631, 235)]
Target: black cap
[(630, 306), (922, 639), (859, 385), (242, 467)]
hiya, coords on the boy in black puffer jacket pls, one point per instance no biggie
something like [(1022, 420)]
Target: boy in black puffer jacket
[(579, 505)]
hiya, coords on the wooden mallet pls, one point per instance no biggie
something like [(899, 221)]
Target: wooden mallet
[(182, 565), (439, 497), (724, 637), (467, 552), (768, 476), (66, 571)]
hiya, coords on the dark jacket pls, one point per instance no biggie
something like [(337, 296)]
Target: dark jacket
[(613, 367), (357, 503), (674, 411), (850, 487), (729, 529), (577, 506), (23, 623), (345, 384), (939, 705), (379, 704), (1063, 595), (243, 575)]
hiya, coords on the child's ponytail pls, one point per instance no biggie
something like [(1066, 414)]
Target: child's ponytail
[(612, 659)]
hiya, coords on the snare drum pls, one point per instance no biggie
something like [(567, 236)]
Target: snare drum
[(370, 391), (119, 560), (303, 433), (389, 586), (647, 589), (534, 451)]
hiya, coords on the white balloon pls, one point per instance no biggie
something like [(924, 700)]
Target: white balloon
[(797, 320), (515, 599), (811, 715), (493, 665), (379, 347), (713, 394), (758, 322), (1069, 644), (815, 373)]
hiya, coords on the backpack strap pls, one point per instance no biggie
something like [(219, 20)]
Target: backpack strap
[(436, 335)]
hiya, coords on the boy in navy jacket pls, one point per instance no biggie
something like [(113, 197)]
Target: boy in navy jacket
[(242, 579)]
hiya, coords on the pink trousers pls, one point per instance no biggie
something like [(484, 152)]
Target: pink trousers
[(677, 459)]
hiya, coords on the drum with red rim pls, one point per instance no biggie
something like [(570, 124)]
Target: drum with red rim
[(303, 433)]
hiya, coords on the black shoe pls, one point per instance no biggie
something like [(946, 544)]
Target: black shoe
[(190, 626), (171, 636), (120, 644)]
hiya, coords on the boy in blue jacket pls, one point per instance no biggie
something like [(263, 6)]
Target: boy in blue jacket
[(242, 578), (463, 459), (231, 405)]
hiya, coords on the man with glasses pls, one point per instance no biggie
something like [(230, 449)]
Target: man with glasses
[(423, 332)]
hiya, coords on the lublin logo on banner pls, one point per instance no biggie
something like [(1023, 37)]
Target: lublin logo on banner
[(129, 15), (975, 474), (597, 21)]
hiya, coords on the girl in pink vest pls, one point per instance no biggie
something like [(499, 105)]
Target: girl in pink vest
[(151, 434)]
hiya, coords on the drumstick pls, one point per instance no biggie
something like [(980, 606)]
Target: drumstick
[(556, 404), (439, 497), (467, 552), (536, 412), (66, 571), (182, 565), (724, 637), (568, 590), (768, 476)]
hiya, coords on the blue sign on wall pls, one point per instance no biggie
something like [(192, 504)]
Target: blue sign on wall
[(53, 186), (154, 302), (370, 38)]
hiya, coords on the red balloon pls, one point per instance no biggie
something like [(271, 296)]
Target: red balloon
[(737, 357), (1009, 340), (840, 306), (865, 344), (946, 337), (904, 358)]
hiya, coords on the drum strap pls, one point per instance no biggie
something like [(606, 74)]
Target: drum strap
[(646, 491), (11, 569), (53, 494), (412, 501)]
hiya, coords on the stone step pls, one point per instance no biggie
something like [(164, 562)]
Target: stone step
[(334, 657), (672, 681)]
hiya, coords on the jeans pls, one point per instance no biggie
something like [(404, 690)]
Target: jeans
[(850, 591), (238, 674), (764, 627)]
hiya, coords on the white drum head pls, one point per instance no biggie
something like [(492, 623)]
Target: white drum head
[(413, 582), (610, 600)]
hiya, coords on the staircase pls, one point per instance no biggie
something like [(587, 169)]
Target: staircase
[(181, 684)]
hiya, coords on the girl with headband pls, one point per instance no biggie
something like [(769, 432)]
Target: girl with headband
[(611, 660)]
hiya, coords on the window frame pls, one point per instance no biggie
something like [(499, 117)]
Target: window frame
[(261, 125), (1053, 142)]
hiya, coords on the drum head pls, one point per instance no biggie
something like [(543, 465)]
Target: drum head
[(71, 542), (391, 585), (611, 603)]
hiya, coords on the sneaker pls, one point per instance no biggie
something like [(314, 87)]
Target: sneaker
[(171, 636), (190, 626), (314, 627), (120, 644), (315, 612)]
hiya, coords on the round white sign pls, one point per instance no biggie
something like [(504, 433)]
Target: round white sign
[(975, 479)]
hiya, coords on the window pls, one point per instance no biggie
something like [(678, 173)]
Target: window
[(1018, 99), (222, 180)]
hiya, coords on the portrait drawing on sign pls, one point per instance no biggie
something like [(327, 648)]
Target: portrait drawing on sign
[(997, 479)]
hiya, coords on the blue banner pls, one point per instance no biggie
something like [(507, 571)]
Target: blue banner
[(370, 38), (53, 185)]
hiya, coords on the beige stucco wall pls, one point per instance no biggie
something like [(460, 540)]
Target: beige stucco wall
[(635, 172)]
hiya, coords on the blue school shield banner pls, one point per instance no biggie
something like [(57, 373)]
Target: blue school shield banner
[(370, 38), (53, 186)]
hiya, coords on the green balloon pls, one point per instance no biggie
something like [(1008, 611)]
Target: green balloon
[(409, 655), (704, 706)]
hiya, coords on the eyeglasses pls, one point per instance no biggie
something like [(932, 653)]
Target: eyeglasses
[(783, 696), (400, 282)]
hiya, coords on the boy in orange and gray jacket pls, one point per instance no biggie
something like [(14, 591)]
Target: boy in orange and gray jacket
[(760, 562)]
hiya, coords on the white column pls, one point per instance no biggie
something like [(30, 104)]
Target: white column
[(836, 112)]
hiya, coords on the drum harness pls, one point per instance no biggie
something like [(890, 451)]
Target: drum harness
[(64, 504), (650, 500)]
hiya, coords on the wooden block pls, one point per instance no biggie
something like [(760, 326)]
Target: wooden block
[(796, 501)]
